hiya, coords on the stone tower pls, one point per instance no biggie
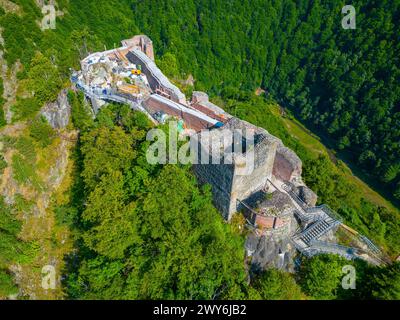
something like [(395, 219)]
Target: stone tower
[(230, 182)]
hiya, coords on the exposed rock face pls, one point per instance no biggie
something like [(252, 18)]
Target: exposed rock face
[(10, 81), (58, 113), (96, 105), (190, 81), (42, 3), (307, 195), (268, 252), (287, 165)]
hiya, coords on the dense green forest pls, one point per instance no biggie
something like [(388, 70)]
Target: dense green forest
[(138, 238), (141, 239), (12, 249), (342, 83)]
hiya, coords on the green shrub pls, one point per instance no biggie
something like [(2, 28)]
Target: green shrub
[(8, 223), (276, 285), (21, 204), (26, 147), (25, 109), (3, 163), (7, 285), (81, 117), (42, 132), (12, 249), (8, 142), (24, 172), (320, 276), (2, 117)]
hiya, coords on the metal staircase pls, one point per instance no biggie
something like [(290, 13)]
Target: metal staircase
[(318, 229), (294, 196), (318, 221), (318, 247), (370, 245), (305, 217)]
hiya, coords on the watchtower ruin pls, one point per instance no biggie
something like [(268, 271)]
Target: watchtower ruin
[(233, 182)]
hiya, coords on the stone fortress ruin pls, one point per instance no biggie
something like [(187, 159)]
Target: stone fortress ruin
[(278, 207)]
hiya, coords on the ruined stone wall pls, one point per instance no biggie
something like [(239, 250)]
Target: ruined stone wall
[(153, 82), (141, 42), (152, 106), (231, 183), (220, 177), (287, 165), (204, 109), (200, 101), (244, 185), (156, 78)]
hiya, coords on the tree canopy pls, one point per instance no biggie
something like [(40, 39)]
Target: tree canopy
[(149, 232)]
